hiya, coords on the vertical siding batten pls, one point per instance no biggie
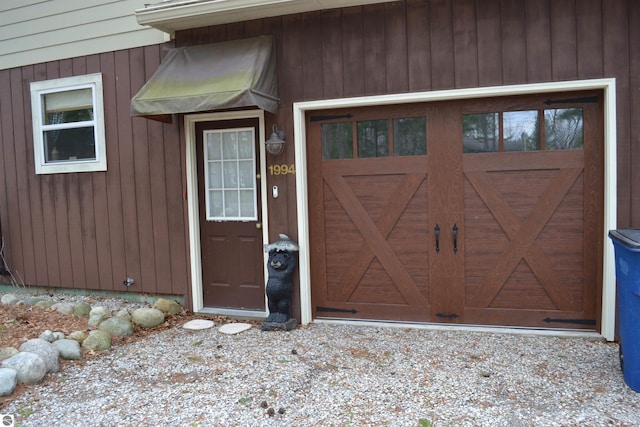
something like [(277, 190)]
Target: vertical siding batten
[(142, 179), (538, 39), (21, 170), (634, 111)]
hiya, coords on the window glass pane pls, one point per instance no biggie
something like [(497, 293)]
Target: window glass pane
[(215, 174), (216, 204), (69, 144), (214, 146), (229, 145), (231, 206), (230, 172), (480, 132), (410, 136), (247, 205), (246, 174), (373, 140), (245, 145), (563, 128), (68, 106), (337, 141), (521, 130)]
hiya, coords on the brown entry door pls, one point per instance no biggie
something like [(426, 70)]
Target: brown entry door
[(230, 222), (475, 212)]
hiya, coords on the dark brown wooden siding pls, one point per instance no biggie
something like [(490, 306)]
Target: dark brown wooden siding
[(420, 45), (92, 230)]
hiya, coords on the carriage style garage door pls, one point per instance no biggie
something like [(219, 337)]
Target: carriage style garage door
[(474, 212)]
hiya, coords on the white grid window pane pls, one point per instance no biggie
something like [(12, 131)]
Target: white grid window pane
[(247, 205), (216, 203), (246, 174), (214, 148), (231, 208), (230, 180), (215, 175), (245, 145), (230, 145)]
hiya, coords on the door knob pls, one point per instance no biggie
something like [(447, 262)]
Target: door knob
[(258, 225)]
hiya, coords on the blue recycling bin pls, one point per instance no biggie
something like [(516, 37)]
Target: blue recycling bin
[(626, 244)]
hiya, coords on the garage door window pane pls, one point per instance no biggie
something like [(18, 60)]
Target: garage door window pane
[(410, 136), (563, 129), (337, 141), (480, 132), (521, 131), (373, 138)]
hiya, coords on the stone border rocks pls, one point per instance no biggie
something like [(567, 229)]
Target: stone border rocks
[(106, 319)]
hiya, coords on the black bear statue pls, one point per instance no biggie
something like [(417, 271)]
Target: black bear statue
[(282, 261)]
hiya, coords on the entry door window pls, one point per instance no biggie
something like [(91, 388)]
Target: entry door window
[(230, 184)]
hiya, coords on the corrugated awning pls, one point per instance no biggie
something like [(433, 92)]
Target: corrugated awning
[(233, 74)]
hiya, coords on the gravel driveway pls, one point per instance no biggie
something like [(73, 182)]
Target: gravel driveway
[(337, 375)]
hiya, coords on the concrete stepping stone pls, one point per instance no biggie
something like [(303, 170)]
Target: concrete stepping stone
[(234, 328), (198, 324)]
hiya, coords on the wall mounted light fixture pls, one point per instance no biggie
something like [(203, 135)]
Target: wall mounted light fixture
[(275, 143)]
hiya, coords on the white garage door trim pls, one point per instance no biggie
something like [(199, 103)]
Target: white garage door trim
[(610, 170)]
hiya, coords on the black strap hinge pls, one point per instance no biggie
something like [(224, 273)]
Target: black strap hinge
[(335, 310), (329, 117), (574, 321)]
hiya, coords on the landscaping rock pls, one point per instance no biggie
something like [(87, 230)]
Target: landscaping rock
[(63, 307), (97, 341), (9, 299), (77, 336), (123, 314), (98, 314), (8, 381), (69, 349), (168, 306), (33, 300), (7, 352), (30, 367), (45, 304), (49, 354), (148, 317), (117, 326), (81, 309), (47, 336)]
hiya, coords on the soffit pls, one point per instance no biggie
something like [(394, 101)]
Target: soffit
[(171, 16)]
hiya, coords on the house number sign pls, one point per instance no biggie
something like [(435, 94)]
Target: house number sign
[(282, 169)]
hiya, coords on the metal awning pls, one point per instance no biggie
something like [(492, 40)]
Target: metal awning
[(232, 74)]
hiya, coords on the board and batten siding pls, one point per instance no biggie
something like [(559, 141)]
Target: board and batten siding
[(425, 45), (34, 31), (93, 230)]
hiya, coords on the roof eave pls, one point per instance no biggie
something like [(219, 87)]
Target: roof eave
[(172, 16)]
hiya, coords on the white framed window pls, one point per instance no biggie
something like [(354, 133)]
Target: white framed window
[(68, 125), (230, 175)]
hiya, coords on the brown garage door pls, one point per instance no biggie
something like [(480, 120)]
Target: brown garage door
[(474, 212)]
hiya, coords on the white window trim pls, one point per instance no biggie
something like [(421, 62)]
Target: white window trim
[(238, 218), (93, 81), (608, 85)]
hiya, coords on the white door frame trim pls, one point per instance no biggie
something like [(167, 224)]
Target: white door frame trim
[(608, 85), (193, 207)]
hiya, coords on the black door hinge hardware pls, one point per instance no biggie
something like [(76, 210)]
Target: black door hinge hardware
[(329, 117), (586, 99), (575, 321), (447, 316), (335, 310)]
